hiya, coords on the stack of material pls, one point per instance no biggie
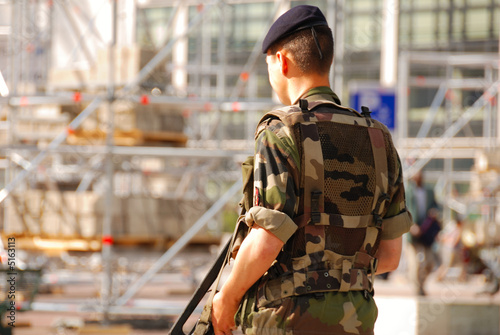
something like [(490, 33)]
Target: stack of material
[(135, 125), (80, 215)]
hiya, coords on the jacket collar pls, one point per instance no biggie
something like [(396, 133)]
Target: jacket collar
[(320, 93)]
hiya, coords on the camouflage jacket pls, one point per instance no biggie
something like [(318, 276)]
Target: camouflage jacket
[(277, 173)]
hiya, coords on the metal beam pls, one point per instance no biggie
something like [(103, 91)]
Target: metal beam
[(136, 151)]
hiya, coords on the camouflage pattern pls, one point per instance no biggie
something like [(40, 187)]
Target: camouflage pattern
[(339, 198), (328, 313)]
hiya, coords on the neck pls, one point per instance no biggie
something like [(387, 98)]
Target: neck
[(299, 86)]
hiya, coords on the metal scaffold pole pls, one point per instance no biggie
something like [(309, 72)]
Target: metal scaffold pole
[(107, 232), (498, 92)]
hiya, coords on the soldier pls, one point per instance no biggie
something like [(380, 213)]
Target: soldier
[(328, 201)]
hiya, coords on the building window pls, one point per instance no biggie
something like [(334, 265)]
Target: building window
[(477, 23)]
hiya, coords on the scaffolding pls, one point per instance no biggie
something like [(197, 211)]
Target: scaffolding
[(201, 116), (53, 179), (459, 124)]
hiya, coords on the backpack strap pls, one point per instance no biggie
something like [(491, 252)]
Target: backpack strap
[(313, 174), (381, 187)]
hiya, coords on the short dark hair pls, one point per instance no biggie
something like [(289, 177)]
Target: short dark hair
[(304, 50)]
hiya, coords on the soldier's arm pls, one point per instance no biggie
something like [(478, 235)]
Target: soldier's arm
[(257, 252), (274, 203), (389, 254)]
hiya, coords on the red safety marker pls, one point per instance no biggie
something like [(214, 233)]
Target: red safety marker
[(24, 101), (236, 106), (244, 76), (77, 97), (144, 99), (107, 240)]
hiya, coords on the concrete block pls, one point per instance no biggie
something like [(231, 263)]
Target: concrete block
[(142, 216), (14, 222), (88, 226), (52, 225)]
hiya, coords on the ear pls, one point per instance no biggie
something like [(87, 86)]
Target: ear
[(283, 60)]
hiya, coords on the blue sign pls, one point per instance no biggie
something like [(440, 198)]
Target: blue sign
[(380, 100)]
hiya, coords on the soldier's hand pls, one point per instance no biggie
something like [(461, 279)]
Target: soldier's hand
[(223, 311)]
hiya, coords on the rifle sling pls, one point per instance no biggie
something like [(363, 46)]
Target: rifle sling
[(201, 291)]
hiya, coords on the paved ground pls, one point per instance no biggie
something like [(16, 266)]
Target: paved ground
[(169, 292)]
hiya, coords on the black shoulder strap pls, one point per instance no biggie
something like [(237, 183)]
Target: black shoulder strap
[(201, 291), (365, 111), (303, 104)]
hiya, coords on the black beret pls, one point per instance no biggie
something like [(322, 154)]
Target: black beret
[(295, 19)]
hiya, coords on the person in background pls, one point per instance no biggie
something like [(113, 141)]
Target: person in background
[(422, 204)]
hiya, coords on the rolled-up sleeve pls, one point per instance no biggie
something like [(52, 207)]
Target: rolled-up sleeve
[(278, 223), (396, 226)]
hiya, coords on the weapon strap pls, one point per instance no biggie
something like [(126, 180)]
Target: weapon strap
[(200, 291), (204, 323)]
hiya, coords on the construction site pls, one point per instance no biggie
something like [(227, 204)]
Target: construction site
[(124, 125)]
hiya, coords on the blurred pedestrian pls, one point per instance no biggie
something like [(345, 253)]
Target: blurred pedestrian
[(424, 209)]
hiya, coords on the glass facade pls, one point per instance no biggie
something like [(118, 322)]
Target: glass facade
[(424, 25), (464, 25)]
